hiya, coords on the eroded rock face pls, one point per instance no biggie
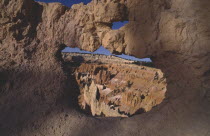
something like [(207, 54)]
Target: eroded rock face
[(174, 33), (114, 87), (119, 90)]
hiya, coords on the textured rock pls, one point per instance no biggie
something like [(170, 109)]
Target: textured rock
[(114, 87), (119, 90), (33, 82)]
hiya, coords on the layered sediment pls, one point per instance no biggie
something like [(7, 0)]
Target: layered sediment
[(114, 87), (121, 90)]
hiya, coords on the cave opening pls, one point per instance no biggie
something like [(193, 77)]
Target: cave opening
[(113, 85)]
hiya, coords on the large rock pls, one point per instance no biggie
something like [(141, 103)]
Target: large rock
[(174, 33)]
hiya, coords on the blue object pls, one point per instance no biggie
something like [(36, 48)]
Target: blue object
[(118, 25), (102, 50), (68, 49), (67, 3)]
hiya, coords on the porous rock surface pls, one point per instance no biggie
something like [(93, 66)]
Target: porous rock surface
[(37, 95), (119, 90)]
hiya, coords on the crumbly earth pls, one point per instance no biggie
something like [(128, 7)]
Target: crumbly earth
[(37, 92), (119, 90)]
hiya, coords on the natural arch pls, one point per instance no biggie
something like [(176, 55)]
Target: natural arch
[(175, 34)]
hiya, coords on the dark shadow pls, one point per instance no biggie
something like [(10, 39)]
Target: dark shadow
[(142, 63), (30, 100), (71, 89), (77, 59), (29, 96), (30, 19)]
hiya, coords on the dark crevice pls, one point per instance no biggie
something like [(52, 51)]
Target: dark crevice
[(71, 91), (142, 97), (99, 69), (140, 111), (97, 94)]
